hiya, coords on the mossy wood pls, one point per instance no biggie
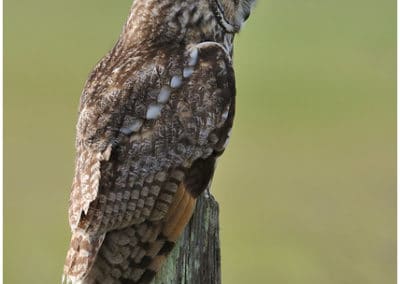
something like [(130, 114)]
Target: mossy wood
[(196, 257)]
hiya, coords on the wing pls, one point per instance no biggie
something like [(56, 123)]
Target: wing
[(145, 154)]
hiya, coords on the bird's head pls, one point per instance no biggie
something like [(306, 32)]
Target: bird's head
[(232, 14)]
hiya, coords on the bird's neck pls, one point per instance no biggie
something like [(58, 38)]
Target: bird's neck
[(154, 23)]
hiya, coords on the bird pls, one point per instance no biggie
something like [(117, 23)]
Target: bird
[(154, 116)]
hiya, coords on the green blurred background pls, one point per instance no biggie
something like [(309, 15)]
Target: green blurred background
[(307, 186)]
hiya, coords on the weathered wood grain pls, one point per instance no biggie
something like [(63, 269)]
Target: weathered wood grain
[(196, 257)]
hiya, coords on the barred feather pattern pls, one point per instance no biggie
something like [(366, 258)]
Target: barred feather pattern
[(154, 116)]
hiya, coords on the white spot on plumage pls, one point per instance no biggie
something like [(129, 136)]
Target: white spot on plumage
[(187, 72), (226, 142), (153, 112), (84, 253), (184, 18), (228, 136), (107, 153), (164, 94), (225, 114), (133, 127), (176, 82), (194, 56), (116, 70)]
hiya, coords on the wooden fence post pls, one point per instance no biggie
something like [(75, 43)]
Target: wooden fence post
[(196, 257)]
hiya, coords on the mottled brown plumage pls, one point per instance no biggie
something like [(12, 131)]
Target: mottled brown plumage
[(155, 114)]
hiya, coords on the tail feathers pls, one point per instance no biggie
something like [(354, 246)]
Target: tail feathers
[(130, 255), (80, 257), (135, 254), (127, 254)]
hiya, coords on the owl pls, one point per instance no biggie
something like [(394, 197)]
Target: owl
[(155, 114)]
